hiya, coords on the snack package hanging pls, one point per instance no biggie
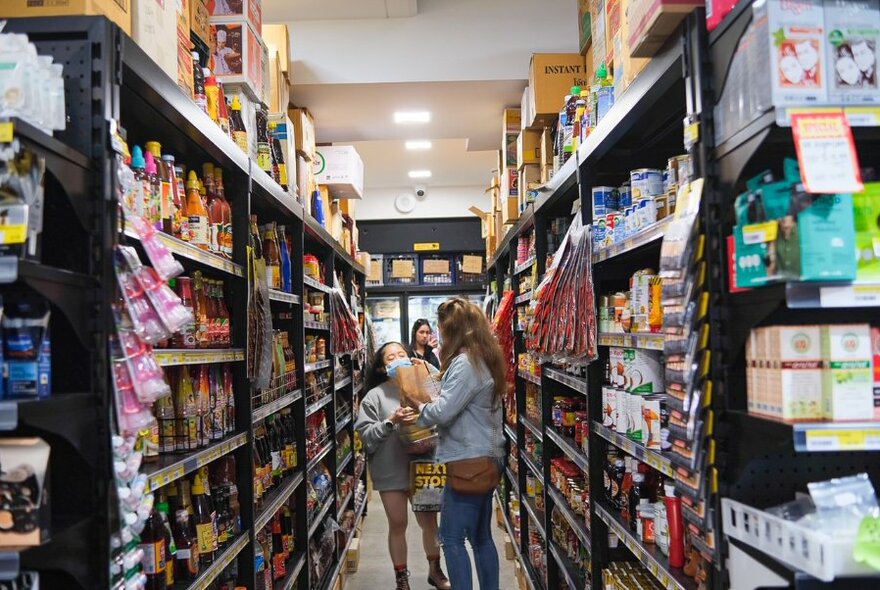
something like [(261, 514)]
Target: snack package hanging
[(347, 335), (259, 322)]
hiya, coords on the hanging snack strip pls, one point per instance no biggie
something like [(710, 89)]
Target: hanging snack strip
[(563, 328), (347, 335), (502, 327)]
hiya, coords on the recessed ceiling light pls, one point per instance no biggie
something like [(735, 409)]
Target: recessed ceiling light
[(420, 174), (412, 117), (418, 144)]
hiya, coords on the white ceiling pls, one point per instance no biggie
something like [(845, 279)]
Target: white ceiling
[(355, 62)]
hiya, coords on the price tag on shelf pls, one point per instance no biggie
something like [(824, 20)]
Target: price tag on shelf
[(862, 116), (826, 152), (850, 296), (7, 132), (843, 440)]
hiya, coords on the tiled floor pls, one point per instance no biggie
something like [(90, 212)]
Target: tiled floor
[(375, 571)]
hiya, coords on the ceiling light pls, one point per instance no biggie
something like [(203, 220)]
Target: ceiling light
[(420, 174), (418, 144), (412, 117)]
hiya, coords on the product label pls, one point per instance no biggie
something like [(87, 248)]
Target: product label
[(205, 537), (282, 173), (214, 237), (166, 435), (264, 157), (241, 139), (826, 153), (188, 561), (273, 276), (198, 230), (154, 557), (165, 205)]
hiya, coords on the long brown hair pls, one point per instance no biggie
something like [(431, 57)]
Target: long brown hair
[(464, 327)]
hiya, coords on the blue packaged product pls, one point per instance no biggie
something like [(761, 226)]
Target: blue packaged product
[(604, 200), (626, 197), (599, 231), (27, 353), (646, 182)]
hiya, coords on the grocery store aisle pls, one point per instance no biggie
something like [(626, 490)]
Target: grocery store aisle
[(374, 571)]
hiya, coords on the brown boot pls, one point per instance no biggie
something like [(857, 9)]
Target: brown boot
[(402, 579), (436, 577)]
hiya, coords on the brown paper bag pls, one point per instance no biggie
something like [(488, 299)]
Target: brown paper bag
[(417, 385)]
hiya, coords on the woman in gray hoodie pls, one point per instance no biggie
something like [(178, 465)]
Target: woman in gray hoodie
[(379, 418)]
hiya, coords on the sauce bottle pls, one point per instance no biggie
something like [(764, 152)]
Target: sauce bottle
[(225, 336), (271, 255), (675, 526), (199, 96), (186, 562), (202, 387), (203, 514), (155, 193), (230, 399), (279, 167), (215, 209), (225, 239), (196, 213), (140, 194), (185, 406), (173, 225), (170, 545), (236, 124), (186, 337), (264, 152), (165, 416), (153, 545), (223, 109), (163, 222), (182, 223), (286, 276), (212, 95)]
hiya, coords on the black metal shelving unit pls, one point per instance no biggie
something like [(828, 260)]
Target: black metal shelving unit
[(111, 84)]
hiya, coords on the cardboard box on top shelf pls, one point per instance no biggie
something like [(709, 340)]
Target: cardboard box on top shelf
[(184, 48), (118, 12), (626, 67), (486, 219), (546, 150), (495, 193), (305, 132), (183, 17), (529, 183), (613, 18), (237, 56), (511, 124), (509, 210), (199, 23), (585, 31), (277, 37), (653, 21), (266, 74), (551, 76), (279, 85), (341, 169), (349, 208), (525, 109), (546, 173), (333, 217), (235, 12), (598, 23), (153, 23), (285, 134), (528, 147)]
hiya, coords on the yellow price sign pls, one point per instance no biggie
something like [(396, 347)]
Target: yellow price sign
[(7, 132), (426, 246), (843, 440)]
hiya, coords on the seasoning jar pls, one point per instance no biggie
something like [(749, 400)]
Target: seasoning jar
[(311, 266), (321, 351), (581, 429), (645, 523), (558, 412), (310, 352), (568, 418), (530, 485)]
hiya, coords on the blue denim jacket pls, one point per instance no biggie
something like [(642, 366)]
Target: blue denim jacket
[(468, 424)]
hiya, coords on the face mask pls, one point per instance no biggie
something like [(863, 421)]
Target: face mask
[(396, 364)]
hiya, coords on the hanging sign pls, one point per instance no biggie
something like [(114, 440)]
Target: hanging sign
[(402, 269), (426, 246), (435, 267), (472, 264), (826, 152)]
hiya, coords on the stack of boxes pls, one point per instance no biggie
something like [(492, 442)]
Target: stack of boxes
[(339, 173), (508, 200)]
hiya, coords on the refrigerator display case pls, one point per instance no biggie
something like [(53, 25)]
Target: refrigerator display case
[(393, 315)]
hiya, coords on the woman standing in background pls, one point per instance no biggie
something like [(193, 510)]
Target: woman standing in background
[(423, 343)]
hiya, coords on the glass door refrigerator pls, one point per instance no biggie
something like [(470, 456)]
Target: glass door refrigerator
[(393, 315)]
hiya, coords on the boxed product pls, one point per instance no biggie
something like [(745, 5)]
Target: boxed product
[(304, 128), (509, 209), (875, 355), (796, 47), (634, 420), (529, 183), (237, 11), (546, 156), (866, 211), (849, 379), (852, 34), (118, 12), (153, 23), (200, 25), (636, 371), (237, 56), (654, 431), (612, 27), (791, 379), (626, 67), (585, 30), (610, 418), (353, 556), (340, 168), (525, 110), (25, 480), (827, 239), (285, 133), (653, 21), (551, 76), (184, 75), (277, 38), (511, 123), (528, 148), (597, 24), (27, 353)]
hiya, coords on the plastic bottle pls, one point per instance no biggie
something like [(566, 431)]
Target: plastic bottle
[(203, 514), (182, 223), (215, 212), (318, 207), (264, 152), (676, 526), (196, 213), (186, 337), (173, 225), (155, 190), (170, 546), (661, 526), (236, 124), (199, 83), (163, 222), (212, 94), (153, 546), (141, 192), (286, 277), (222, 109), (186, 562), (271, 255), (637, 494), (185, 406), (279, 167), (225, 237), (165, 416)]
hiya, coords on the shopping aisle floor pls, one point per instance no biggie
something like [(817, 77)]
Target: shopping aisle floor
[(375, 571)]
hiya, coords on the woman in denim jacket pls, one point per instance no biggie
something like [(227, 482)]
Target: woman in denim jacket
[(468, 418)]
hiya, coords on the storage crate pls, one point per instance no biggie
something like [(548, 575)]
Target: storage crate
[(377, 267), (401, 269), (470, 278), (804, 549), (436, 269)]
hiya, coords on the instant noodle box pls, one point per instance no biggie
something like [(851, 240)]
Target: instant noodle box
[(237, 11), (551, 76), (237, 56), (118, 12)]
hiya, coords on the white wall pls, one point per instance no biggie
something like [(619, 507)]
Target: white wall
[(448, 40), (439, 202)]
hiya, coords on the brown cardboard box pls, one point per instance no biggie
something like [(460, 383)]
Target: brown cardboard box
[(279, 91), (242, 57), (598, 22), (117, 11), (348, 207), (277, 37), (546, 156), (509, 210), (585, 32), (185, 64), (528, 147), (525, 108), (551, 76), (546, 173), (353, 556), (529, 183), (304, 129), (626, 67), (153, 23), (653, 21), (613, 18), (198, 21), (509, 553)]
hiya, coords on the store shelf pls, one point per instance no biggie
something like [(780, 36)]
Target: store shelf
[(533, 428), (170, 468), (524, 298), (571, 450), (577, 383), (359, 512), (524, 266), (652, 458), (344, 463), (510, 432), (532, 465), (312, 367), (275, 499), (42, 142), (343, 383), (187, 251), (276, 405), (537, 516), (567, 568), (328, 504), (530, 579), (319, 457), (525, 221), (576, 522), (813, 437), (172, 357), (69, 415), (318, 286), (313, 325), (220, 563), (318, 405), (511, 476), (536, 379), (281, 296), (670, 578), (316, 231), (343, 423), (633, 340), (341, 506), (427, 289), (650, 235), (292, 577), (358, 387)]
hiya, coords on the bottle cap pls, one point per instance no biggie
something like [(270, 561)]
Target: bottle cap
[(669, 490), (575, 90), (602, 72), (150, 165), (137, 157), (155, 148), (210, 81), (236, 104), (192, 181)]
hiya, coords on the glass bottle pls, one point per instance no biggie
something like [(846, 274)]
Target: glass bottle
[(236, 123), (170, 546), (155, 190), (264, 152), (201, 311), (223, 317), (187, 431), (172, 227), (230, 398), (165, 415), (186, 562), (182, 222), (226, 214), (279, 168), (286, 276), (273, 259), (199, 96), (197, 216), (203, 401), (153, 546), (256, 243), (203, 515), (186, 337), (141, 191)]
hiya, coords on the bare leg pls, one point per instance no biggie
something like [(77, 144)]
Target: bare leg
[(396, 508), (428, 523)]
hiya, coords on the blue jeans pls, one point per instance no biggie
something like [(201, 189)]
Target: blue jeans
[(468, 517)]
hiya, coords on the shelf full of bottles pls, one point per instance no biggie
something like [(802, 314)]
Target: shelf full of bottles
[(226, 455)]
